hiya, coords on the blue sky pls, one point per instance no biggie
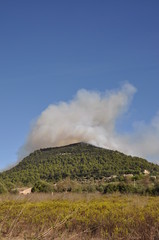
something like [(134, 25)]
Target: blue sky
[(51, 49)]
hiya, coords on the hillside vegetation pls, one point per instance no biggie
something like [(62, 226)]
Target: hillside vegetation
[(76, 161)]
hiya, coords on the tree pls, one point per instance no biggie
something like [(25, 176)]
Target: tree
[(42, 186), (3, 189)]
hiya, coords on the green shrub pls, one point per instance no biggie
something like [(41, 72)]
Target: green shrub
[(77, 189), (155, 190), (100, 188), (3, 188), (125, 188), (42, 186), (91, 188), (136, 177), (9, 185), (121, 187), (110, 188), (14, 191)]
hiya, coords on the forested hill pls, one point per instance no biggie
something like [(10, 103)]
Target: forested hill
[(77, 161)]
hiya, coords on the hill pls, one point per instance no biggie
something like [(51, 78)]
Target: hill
[(77, 161)]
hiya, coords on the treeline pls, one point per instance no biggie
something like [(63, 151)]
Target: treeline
[(121, 187), (142, 185)]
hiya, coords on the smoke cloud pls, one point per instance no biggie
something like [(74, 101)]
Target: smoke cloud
[(91, 117), (145, 140)]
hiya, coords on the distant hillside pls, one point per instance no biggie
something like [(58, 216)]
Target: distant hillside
[(77, 161)]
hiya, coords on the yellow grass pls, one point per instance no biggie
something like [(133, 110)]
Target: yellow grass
[(79, 216)]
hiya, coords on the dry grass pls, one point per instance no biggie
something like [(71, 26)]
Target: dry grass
[(79, 216), (40, 197)]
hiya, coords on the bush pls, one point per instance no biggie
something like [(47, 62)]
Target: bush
[(42, 186), (77, 189), (110, 188), (3, 188), (153, 179), (125, 188), (9, 185), (136, 177), (155, 190), (91, 188), (14, 191), (100, 188), (121, 187), (67, 185), (121, 179)]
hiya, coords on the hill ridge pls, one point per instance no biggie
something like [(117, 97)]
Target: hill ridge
[(77, 161), (67, 145)]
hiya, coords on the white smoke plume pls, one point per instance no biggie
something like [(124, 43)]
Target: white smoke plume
[(91, 117), (144, 141)]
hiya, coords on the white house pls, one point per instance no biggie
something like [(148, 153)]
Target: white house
[(146, 172), (25, 191)]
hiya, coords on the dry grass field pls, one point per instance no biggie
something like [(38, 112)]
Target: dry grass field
[(79, 216)]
